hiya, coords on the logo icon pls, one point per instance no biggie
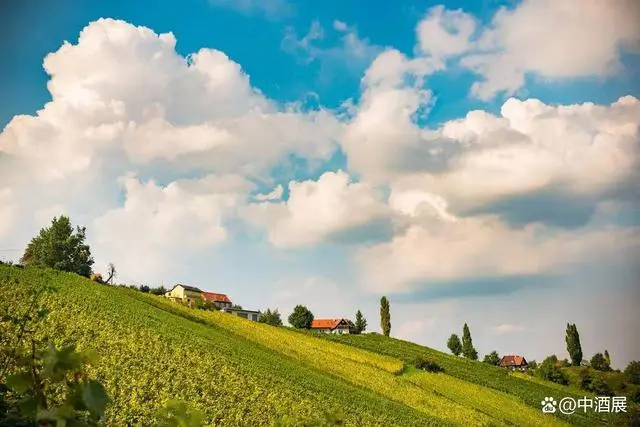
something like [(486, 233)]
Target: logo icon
[(549, 405)]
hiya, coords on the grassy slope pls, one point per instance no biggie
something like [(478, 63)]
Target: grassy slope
[(235, 370), (528, 392)]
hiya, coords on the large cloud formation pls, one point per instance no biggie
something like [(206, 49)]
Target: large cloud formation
[(157, 153)]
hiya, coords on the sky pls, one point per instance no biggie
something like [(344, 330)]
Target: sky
[(474, 161)]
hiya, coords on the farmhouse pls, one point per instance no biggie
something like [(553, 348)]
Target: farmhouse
[(514, 362), (219, 300), (184, 293), (245, 314), (331, 326)]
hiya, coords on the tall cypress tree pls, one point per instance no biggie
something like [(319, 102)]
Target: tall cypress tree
[(574, 348), (607, 357), (361, 322), (385, 316), (468, 350)]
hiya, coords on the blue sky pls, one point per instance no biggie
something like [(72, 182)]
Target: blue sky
[(459, 157)]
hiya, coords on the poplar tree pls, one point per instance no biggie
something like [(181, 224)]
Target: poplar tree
[(574, 348), (468, 350), (385, 316)]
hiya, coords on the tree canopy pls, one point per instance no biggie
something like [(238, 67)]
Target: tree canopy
[(361, 323), (574, 348), (468, 350), (270, 317), (492, 358), (385, 316), (60, 247), (301, 317), (454, 344)]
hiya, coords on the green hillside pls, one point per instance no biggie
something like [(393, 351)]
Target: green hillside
[(239, 372)]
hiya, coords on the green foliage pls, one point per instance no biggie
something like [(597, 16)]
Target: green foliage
[(327, 419), (550, 371), (593, 383), (574, 348), (468, 350), (488, 379), (179, 414), (144, 288), (361, 323), (454, 344), (607, 357), (426, 364), (270, 317), (492, 358), (385, 316), (236, 306), (43, 384), (599, 362), (61, 248), (158, 291), (301, 317), (632, 371)]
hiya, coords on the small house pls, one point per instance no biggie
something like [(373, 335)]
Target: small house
[(184, 293), (245, 314), (219, 300), (331, 326), (514, 362)]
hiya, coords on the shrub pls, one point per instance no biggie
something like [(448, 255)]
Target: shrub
[(97, 277), (550, 371), (426, 364)]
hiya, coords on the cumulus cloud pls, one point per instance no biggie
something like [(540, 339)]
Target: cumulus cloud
[(276, 194), (595, 32), (433, 251), (160, 226), (443, 33), (328, 209)]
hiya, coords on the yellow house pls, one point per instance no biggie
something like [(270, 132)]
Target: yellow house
[(184, 293)]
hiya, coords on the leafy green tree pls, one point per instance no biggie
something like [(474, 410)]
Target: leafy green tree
[(468, 350), (550, 371), (492, 358), (236, 306), (574, 348), (145, 289), (385, 316), (607, 357), (301, 317), (61, 248), (599, 362), (592, 383), (158, 291), (454, 344), (270, 317), (632, 371), (361, 323)]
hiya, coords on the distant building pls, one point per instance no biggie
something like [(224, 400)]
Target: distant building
[(219, 300), (184, 293), (331, 326), (514, 362), (245, 314)]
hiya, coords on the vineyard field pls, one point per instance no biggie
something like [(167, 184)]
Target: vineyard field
[(238, 372)]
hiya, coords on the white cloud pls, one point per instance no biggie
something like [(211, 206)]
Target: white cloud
[(8, 210), (162, 226), (317, 211), (276, 194), (593, 32), (506, 328), (444, 33), (414, 330), (434, 251)]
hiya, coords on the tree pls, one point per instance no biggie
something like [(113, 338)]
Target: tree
[(236, 306), (599, 362), (158, 291), (468, 350), (385, 316), (301, 317), (574, 348), (361, 323), (550, 371), (145, 289), (61, 248), (270, 318), (607, 357), (454, 344), (632, 371), (492, 358), (111, 273)]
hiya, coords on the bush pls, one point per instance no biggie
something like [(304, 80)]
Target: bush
[(594, 384), (550, 371), (426, 364), (632, 371), (301, 317), (599, 362)]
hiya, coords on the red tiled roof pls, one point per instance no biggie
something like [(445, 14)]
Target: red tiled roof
[(213, 297), (512, 360), (325, 323)]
